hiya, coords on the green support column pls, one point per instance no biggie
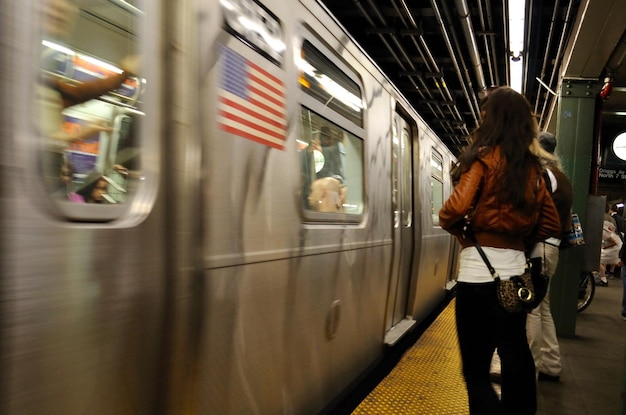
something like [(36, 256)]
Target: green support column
[(575, 131)]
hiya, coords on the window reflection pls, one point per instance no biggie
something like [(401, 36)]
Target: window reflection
[(324, 81)]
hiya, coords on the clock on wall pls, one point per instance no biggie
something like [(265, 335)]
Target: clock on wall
[(619, 146)]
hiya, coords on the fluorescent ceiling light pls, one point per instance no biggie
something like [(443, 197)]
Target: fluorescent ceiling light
[(517, 13), (516, 71)]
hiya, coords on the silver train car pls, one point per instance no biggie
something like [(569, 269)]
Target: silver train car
[(241, 223)]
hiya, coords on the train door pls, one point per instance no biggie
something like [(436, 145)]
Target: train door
[(403, 238)]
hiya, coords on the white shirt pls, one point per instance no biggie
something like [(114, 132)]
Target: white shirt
[(506, 262)]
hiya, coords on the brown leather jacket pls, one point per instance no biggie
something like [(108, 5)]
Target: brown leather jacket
[(495, 224)]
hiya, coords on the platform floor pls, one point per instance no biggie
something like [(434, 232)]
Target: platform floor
[(427, 379)]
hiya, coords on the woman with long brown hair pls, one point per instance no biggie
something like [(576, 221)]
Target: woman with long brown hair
[(499, 189)]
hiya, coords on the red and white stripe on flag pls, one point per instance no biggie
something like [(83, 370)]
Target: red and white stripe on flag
[(251, 101)]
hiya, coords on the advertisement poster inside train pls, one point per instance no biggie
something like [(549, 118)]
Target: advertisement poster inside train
[(81, 153)]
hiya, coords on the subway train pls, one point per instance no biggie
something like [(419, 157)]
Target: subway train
[(242, 221)]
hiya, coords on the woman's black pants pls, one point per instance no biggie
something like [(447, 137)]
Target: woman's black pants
[(483, 326)]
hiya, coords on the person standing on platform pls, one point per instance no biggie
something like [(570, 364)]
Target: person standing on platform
[(540, 329), (623, 259), (619, 220), (499, 187), (615, 270), (609, 254), (607, 215)]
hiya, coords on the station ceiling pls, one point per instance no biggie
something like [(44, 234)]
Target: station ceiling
[(442, 54)]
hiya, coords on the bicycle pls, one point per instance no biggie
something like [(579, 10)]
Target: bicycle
[(586, 290)]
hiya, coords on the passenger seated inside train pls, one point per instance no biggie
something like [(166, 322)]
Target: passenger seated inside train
[(327, 195), (96, 191), (324, 158), (67, 187), (327, 150)]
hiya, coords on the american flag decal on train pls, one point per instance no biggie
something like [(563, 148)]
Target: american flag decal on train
[(251, 101)]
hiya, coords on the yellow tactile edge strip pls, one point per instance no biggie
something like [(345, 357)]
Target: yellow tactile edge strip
[(427, 380)]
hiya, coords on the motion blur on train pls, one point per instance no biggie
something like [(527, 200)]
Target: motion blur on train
[(244, 224)]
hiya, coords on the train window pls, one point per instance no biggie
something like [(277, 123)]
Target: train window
[(331, 168), (407, 179), (89, 106), (327, 83), (401, 174), (436, 183), (259, 28), (395, 180)]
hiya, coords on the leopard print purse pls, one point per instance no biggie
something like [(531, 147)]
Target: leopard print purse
[(518, 293)]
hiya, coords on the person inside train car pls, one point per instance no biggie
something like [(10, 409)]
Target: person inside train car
[(66, 182), (54, 94), (327, 195), (95, 191), (334, 155), (308, 168), (500, 189), (323, 157)]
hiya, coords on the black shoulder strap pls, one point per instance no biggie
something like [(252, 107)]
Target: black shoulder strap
[(546, 178), (479, 248)]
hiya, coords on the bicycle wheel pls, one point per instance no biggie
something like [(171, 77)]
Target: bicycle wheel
[(586, 290)]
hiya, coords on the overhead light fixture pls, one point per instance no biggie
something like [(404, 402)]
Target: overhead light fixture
[(517, 14)]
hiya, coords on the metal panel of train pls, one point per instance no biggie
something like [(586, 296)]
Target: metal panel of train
[(208, 207)]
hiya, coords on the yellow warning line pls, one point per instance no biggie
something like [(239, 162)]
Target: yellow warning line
[(428, 378)]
